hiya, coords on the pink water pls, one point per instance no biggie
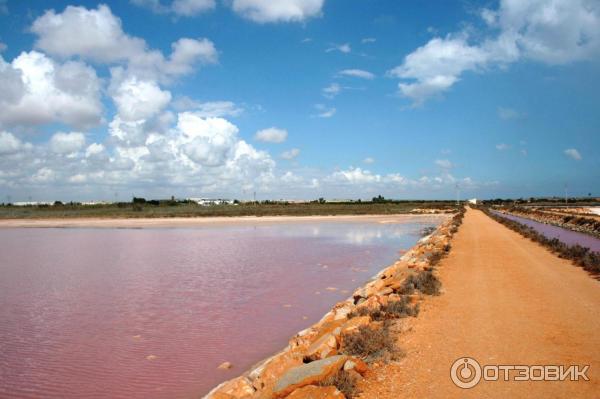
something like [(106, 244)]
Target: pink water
[(125, 313)]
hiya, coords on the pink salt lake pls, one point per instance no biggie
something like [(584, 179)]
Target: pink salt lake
[(151, 313)]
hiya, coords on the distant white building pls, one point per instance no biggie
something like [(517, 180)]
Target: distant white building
[(32, 203), (473, 201), (211, 201)]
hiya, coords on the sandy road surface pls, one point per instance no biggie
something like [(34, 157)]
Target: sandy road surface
[(506, 300)]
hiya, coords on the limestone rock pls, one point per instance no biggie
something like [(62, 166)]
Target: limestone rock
[(238, 388), (225, 366), (265, 376), (323, 347), (308, 374), (354, 323), (357, 365)]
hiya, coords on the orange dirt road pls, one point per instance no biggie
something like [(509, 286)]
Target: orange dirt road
[(505, 300)]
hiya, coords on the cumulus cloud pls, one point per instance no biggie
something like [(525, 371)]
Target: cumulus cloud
[(209, 141), (290, 154), (573, 154), (271, 135), (137, 99), (357, 73), (368, 160), (97, 35), (10, 144), (94, 150), (67, 143), (264, 11), (184, 8), (368, 40), (552, 32), (502, 147), (196, 153), (436, 66), (34, 90), (355, 176)]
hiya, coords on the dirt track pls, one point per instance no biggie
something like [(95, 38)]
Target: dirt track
[(506, 300)]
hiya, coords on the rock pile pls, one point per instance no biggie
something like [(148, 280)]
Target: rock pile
[(316, 354)]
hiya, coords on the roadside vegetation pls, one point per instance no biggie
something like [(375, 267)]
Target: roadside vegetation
[(580, 256), (141, 208)]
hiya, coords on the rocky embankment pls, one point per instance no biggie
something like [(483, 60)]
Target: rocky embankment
[(582, 224), (328, 358)]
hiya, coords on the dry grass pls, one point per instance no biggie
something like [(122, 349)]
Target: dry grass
[(371, 343), (344, 382), (425, 282)]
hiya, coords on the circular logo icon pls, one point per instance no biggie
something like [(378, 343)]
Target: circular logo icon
[(465, 372)]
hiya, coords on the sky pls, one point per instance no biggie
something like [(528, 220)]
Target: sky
[(299, 99)]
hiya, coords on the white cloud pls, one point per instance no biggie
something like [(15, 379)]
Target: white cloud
[(210, 141), (368, 40), (36, 90), (67, 143), (502, 147), (290, 177), (9, 144), (573, 153), (332, 90), (263, 11), (97, 35), (185, 8), (271, 135), (44, 175), (553, 32), (136, 99), (324, 111), (342, 48), (444, 163), (208, 109), (369, 160), (435, 67), (355, 176), (94, 149), (357, 73), (290, 154)]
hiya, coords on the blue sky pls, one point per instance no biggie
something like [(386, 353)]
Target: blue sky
[(299, 98)]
